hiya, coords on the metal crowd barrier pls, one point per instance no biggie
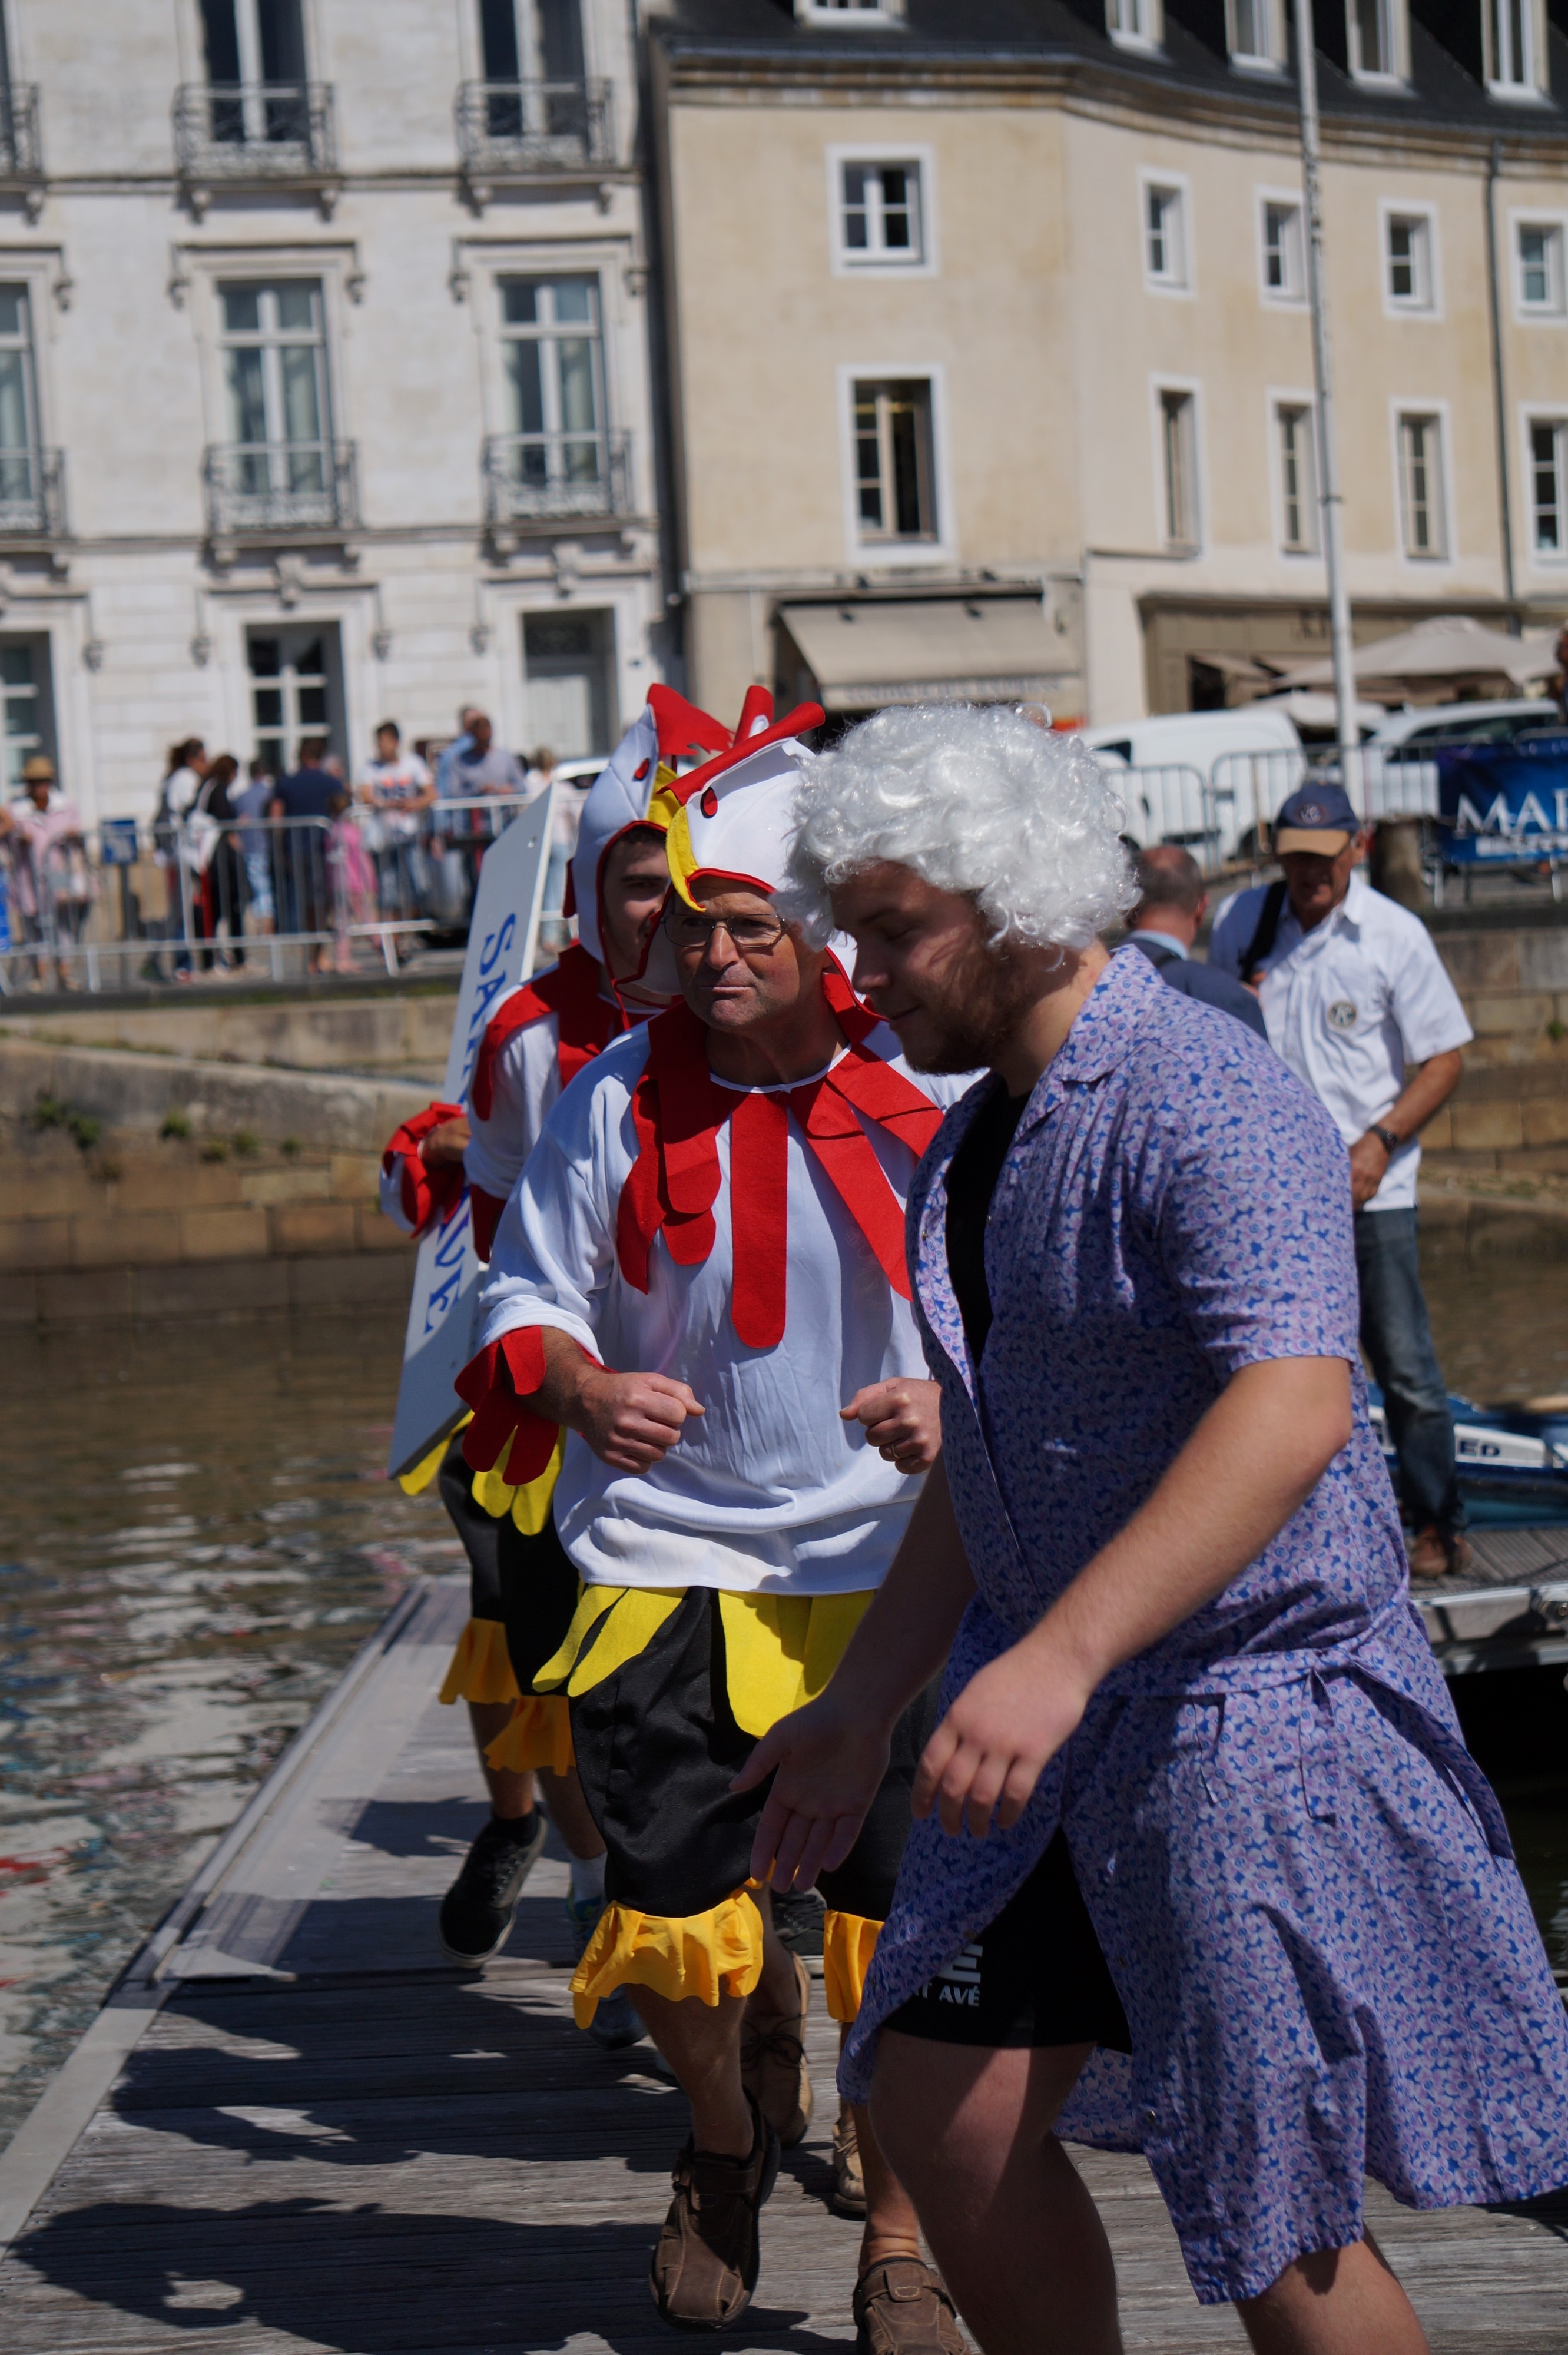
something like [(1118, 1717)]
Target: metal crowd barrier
[(134, 898)]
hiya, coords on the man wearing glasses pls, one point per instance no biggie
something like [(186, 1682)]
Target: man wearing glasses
[(701, 1275)]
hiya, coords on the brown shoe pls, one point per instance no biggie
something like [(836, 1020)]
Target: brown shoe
[(704, 2261), (772, 2062), (1439, 1553), (901, 2308), (849, 2175)]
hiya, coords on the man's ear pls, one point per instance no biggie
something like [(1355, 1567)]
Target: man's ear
[(1201, 909)]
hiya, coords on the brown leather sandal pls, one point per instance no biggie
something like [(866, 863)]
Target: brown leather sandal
[(849, 2175), (772, 2062), (704, 2261), (901, 2308)]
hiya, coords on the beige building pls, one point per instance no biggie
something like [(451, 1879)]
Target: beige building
[(991, 361)]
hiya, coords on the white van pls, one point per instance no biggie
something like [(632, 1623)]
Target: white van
[(1204, 778)]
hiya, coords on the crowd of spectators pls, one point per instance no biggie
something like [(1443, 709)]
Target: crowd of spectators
[(236, 852)]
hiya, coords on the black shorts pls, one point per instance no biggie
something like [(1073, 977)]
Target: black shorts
[(1036, 1977), (656, 1744), (527, 1582), (480, 1534)]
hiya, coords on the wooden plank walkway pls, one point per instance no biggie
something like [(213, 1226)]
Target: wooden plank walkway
[(325, 2139)]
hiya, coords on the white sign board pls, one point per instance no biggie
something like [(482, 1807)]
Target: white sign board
[(502, 936)]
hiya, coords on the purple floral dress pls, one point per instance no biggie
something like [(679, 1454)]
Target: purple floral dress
[(1301, 1880)]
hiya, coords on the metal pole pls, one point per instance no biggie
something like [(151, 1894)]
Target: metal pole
[(1499, 397), (1330, 497)]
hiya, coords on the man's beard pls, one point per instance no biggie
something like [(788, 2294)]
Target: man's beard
[(984, 999)]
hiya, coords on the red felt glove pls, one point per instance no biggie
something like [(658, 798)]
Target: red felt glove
[(497, 1385), (427, 1194)]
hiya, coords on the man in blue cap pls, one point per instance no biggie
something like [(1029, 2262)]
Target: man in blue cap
[(1358, 1004)]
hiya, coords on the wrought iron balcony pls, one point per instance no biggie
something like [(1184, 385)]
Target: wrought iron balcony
[(21, 153), (509, 129), (254, 130), (32, 493), (272, 490), (545, 476)]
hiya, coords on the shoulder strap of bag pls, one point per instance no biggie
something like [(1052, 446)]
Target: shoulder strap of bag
[(1263, 938)]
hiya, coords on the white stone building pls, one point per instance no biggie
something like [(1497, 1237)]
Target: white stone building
[(325, 379)]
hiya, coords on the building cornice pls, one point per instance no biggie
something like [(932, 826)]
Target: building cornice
[(1104, 89)]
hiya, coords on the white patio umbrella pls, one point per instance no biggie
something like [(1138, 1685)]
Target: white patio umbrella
[(1453, 649)]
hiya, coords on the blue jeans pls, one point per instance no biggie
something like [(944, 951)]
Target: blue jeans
[(1397, 1338)]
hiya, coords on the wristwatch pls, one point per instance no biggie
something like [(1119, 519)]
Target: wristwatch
[(1387, 1138)]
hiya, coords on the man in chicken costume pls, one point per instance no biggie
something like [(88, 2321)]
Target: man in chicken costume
[(698, 1285), (539, 1035)]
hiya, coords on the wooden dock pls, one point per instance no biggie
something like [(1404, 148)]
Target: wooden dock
[(295, 2129)]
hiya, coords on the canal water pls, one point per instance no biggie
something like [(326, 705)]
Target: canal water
[(196, 1536)]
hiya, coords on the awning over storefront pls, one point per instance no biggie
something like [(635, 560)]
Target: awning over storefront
[(927, 650)]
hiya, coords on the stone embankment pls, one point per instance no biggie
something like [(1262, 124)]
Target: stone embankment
[(206, 1157), (218, 1151)]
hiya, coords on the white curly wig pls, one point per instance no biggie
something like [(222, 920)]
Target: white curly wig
[(974, 799)]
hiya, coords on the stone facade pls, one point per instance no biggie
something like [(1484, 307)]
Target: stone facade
[(325, 380), (1081, 296)]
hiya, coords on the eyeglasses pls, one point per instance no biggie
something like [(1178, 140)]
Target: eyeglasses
[(752, 935)]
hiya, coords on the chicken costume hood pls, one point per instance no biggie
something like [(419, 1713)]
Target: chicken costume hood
[(632, 790)]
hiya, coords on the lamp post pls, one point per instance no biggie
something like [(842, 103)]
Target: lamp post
[(1330, 497)]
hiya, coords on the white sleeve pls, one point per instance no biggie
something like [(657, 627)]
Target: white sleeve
[(1423, 1001), (555, 1247), (524, 1082), (391, 1191)]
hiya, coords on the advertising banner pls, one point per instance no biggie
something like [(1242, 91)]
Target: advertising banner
[(1503, 804), (502, 937)]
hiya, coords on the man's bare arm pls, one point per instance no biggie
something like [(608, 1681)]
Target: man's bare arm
[(1426, 1091), (831, 1755), (630, 1420)]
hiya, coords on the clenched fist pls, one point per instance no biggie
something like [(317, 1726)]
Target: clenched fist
[(630, 1421), (902, 1419)]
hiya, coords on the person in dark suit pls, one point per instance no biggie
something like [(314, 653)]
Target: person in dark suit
[(1172, 906)]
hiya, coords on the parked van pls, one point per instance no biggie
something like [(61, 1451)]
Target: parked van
[(1204, 778)]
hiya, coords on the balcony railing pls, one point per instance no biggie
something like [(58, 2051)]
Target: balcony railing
[(21, 154), (250, 131), (32, 493), (267, 489), (515, 127), (551, 475)]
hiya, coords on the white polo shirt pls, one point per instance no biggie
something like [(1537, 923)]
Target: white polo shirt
[(1348, 1006)]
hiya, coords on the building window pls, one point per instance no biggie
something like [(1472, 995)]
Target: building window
[(1513, 48), (256, 72), (294, 693), (1540, 276), (25, 710), (1297, 478), (1409, 261), (19, 453), (1257, 34), (1373, 27), (567, 667), (1285, 259), (1164, 235), (531, 40), (555, 378), (1133, 24), (879, 214), (894, 488), (1179, 462), (1422, 520), (1549, 486), (274, 360)]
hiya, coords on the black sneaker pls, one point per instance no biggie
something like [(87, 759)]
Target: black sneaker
[(477, 1913)]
